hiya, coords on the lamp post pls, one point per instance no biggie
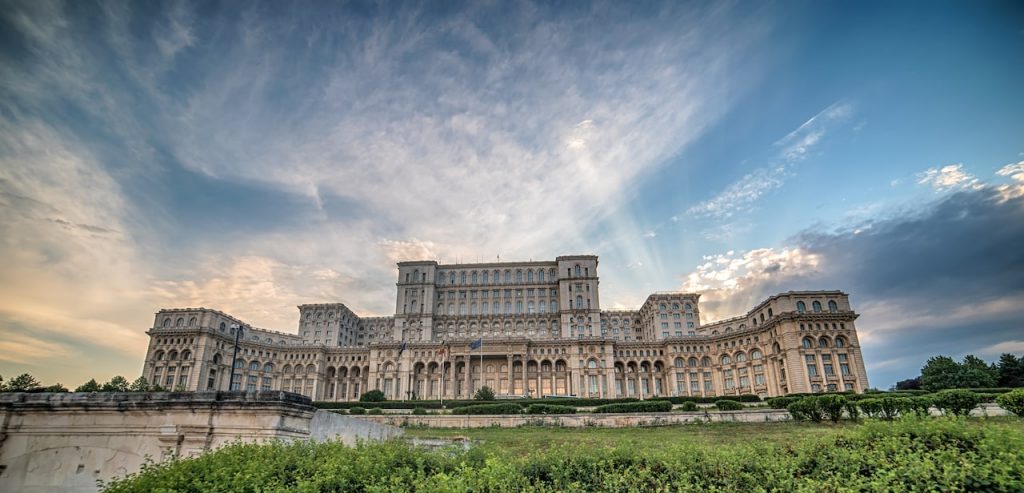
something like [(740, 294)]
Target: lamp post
[(234, 356)]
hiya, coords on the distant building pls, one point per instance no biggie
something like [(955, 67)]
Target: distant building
[(542, 331)]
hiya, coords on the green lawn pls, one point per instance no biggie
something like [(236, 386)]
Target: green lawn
[(524, 440)]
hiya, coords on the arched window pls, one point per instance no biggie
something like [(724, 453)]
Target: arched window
[(756, 354), (508, 307), (268, 368), (463, 279), (254, 366), (186, 355), (529, 276), (741, 357), (412, 306), (662, 307), (823, 342), (472, 308), (689, 306), (475, 280), (159, 355), (808, 343), (679, 362), (540, 275), (770, 314), (816, 306), (173, 355), (579, 301), (451, 308), (192, 322), (675, 306), (592, 364), (840, 342), (519, 307), (832, 306), (529, 307), (519, 277), (239, 364), (726, 359), (440, 308), (485, 277), (223, 326), (167, 322), (762, 317), (706, 361), (508, 276), (692, 362), (801, 307), (440, 278), (180, 322)]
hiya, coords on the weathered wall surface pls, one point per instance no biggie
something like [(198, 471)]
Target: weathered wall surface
[(65, 442)]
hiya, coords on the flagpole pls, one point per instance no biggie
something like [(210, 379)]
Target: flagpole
[(441, 397), (481, 363)]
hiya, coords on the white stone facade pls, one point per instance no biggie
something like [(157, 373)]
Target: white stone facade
[(543, 333)]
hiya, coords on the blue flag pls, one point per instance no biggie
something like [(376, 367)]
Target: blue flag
[(476, 344), (402, 348)]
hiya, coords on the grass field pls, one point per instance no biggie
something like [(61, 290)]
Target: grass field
[(525, 440)]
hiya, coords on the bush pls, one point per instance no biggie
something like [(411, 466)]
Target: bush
[(506, 408), (375, 410), (1012, 402), (357, 410), (852, 410), (549, 409), (372, 396), (782, 402), (958, 402), (419, 411), (893, 406), (689, 406), (559, 401), (383, 405), (710, 400), (484, 394), (871, 407), (920, 405), (832, 405), (636, 407), (806, 409), (728, 405)]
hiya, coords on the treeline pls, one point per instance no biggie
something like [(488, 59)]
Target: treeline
[(27, 383), (943, 372)]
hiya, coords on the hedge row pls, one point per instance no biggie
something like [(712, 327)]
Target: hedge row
[(505, 408), (555, 401), (382, 405), (636, 407), (834, 407), (710, 400), (549, 409)]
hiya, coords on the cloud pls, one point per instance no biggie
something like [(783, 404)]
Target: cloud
[(22, 349), (740, 196), (1012, 347), (945, 279), (947, 177)]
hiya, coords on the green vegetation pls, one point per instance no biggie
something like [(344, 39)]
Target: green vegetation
[(688, 407), (635, 407), (549, 409), (506, 408), (372, 396), (1013, 402), (728, 405), (357, 410), (484, 394), (907, 454), (942, 372)]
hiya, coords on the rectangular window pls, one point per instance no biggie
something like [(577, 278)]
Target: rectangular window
[(844, 368), (664, 334), (729, 384), (828, 369), (708, 386), (694, 386), (759, 379), (744, 382), (689, 325), (812, 370)]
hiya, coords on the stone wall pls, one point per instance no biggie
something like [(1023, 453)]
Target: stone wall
[(610, 420), (66, 442)]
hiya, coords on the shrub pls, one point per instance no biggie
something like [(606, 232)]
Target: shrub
[(383, 405), (506, 408), (782, 402), (484, 394), (636, 407), (851, 409), (1012, 402), (689, 406), (893, 406), (357, 410), (920, 405), (549, 409), (375, 410), (806, 409), (419, 411), (832, 405), (372, 396), (871, 407), (728, 405), (956, 401)]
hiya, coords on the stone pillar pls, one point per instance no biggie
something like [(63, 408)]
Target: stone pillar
[(526, 378), (511, 382)]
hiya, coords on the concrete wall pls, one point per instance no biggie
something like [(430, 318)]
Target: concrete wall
[(65, 442), (611, 420)]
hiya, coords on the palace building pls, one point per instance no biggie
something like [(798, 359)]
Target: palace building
[(523, 329)]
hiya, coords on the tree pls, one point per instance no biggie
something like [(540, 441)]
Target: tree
[(940, 372), (373, 396), (1011, 371), (1012, 401), (22, 383), (139, 385), (57, 387), (484, 394), (909, 384), (90, 386), (116, 384), (975, 373)]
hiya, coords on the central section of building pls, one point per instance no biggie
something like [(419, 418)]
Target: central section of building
[(523, 329)]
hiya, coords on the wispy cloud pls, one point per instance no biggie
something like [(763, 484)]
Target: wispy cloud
[(947, 177), (740, 196)]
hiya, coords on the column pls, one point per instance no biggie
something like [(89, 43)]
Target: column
[(526, 378), (511, 385)]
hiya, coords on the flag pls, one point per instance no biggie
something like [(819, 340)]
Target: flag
[(476, 344), (401, 348), (444, 350)]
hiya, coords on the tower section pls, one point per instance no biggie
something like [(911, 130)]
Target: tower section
[(578, 282), (414, 316)]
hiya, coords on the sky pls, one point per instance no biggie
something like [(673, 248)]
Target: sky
[(251, 157)]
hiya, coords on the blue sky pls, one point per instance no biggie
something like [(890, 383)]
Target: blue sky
[(255, 157)]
